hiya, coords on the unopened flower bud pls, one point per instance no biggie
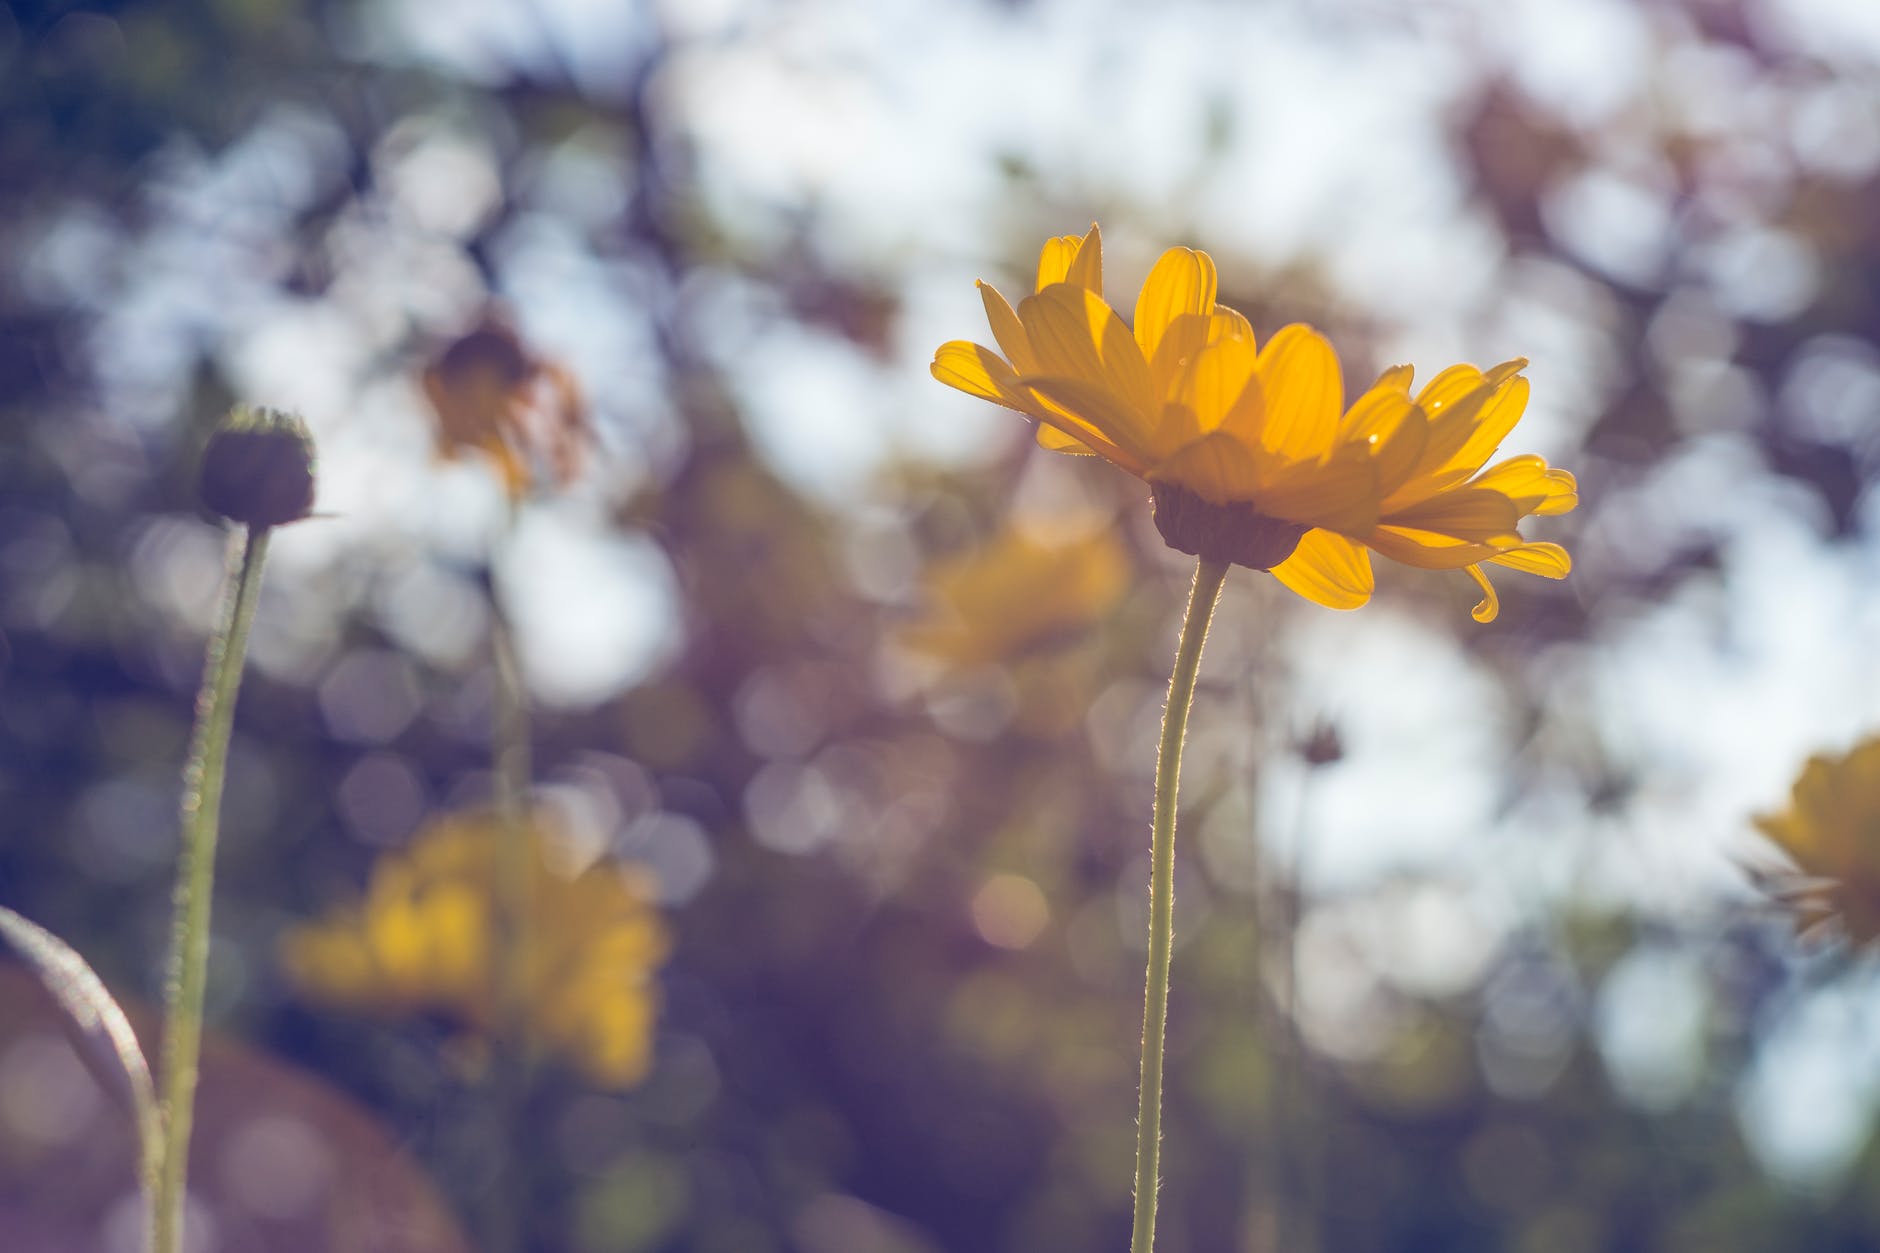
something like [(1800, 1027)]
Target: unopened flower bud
[(258, 468)]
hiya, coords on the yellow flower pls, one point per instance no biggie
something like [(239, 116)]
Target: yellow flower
[(1017, 593), (423, 940), (1248, 449), (491, 395), (1831, 831)]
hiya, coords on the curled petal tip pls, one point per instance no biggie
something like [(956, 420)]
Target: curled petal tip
[(1489, 606)]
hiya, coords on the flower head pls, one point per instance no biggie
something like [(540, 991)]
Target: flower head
[(1248, 449), (1831, 832), (491, 395), (424, 940)]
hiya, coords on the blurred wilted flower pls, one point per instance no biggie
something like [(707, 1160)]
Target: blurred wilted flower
[(492, 395), (1831, 831), (1244, 447), (425, 939), (1015, 594)]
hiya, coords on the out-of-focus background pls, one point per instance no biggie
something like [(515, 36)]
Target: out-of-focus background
[(844, 694)]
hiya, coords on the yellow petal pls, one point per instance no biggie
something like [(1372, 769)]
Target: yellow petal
[(1087, 268), (1211, 383), (1183, 281), (1550, 561), (1499, 374), (1088, 413), (1397, 378), (1448, 387), (1054, 260), (1049, 437), (1450, 426), (1470, 514), (1328, 569), (1075, 335), (1339, 495), (1246, 418), (1068, 259), (979, 372), (1304, 393), (1187, 335), (1496, 417), (1428, 550), (1392, 428), (1490, 604), (1531, 484), (1217, 467), (1564, 498), (1225, 323), (1230, 324), (1184, 336), (1006, 330)]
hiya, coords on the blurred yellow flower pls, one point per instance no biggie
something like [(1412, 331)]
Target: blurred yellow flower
[(1831, 831), (491, 395), (1015, 594), (424, 939), (1249, 451)]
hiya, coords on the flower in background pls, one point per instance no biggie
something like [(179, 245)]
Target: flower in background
[(424, 940), (1016, 594), (491, 395), (1249, 451), (1831, 832)]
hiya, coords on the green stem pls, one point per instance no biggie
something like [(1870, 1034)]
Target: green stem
[(1168, 764), (512, 899), (189, 953), (516, 861)]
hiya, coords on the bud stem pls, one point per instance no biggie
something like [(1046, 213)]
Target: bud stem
[(507, 1221), (203, 775)]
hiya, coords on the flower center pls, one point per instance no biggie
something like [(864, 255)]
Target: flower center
[(1234, 533)]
